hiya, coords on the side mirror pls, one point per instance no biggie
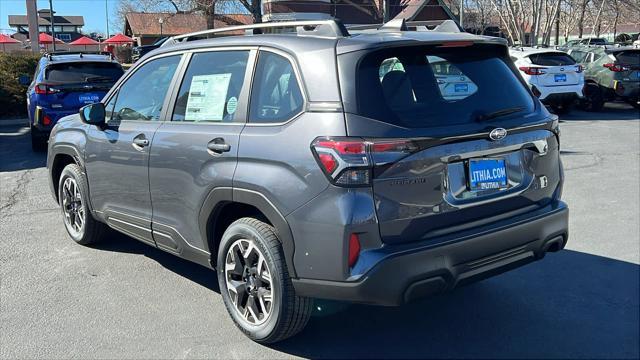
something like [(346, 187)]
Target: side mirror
[(24, 80), (93, 114)]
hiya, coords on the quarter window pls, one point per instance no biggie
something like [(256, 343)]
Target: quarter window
[(211, 87), (142, 95), (276, 96)]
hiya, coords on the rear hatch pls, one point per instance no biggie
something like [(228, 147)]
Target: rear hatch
[(556, 69), (72, 85), (442, 159), (626, 63)]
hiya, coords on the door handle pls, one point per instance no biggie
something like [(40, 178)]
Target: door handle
[(218, 146), (140, 141)]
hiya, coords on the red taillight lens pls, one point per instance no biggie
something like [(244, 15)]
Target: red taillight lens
[(354, 249), (614, 67), (44, 89), (349, 161), (46, 120), (529, 70)]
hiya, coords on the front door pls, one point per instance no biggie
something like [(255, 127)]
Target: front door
[(117, 156), (195, 150)]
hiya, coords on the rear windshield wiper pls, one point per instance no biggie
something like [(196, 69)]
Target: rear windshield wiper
[(499, 113), (98, 78)]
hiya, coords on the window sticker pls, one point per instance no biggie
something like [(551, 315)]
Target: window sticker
[(232, 105), (207, 95)]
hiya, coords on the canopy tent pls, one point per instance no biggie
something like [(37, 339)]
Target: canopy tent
[(119, 39), (45, 38), (6, 39), (84, 41)]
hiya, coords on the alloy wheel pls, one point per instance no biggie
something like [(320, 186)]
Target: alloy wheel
[(72, 207), (248, 280)]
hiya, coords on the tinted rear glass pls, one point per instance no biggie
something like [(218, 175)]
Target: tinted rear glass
[(427, 86), (629, 57), (83, 72), (551, 59)]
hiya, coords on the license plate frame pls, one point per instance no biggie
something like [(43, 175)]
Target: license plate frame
[(560, 77), (487, 174)]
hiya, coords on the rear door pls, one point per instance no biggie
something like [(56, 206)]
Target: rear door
[(559, 69), (442, 163), (117, 156), (196, 151)]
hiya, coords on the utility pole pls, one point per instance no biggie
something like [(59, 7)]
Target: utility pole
[(461, 13), (106, 13), (558, 24), (32, 19), (53, 22)]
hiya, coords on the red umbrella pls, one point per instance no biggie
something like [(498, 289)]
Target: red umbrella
[(6, 39), (84, 41), (119, 39), (44, 38)]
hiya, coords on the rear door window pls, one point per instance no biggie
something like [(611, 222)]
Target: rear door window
[(429, 86), (211, 87), (81, 72), (551, 59)]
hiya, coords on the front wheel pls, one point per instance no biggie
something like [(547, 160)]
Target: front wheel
[(255, 284)]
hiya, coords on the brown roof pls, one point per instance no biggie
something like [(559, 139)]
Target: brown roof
[(175, 24), (21, 20)]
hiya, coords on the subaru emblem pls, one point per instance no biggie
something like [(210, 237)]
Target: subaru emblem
[(561, 69), (497, 134)]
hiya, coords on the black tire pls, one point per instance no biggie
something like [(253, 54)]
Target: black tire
[(289, 313), (562, 109), (91, 231), (593, 98), (38, 141)]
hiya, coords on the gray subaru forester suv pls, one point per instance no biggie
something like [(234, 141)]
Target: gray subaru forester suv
[(301, 161)]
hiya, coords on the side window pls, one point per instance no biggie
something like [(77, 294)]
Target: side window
[(142, 95), (211, 87), (276, 96)]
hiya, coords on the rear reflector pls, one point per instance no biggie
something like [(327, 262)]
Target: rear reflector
[(354, 249), (46, 120)]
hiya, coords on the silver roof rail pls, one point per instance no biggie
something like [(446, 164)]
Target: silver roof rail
[(403, 25), (320, 28)]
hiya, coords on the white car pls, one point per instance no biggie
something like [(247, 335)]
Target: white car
[(554, 76)]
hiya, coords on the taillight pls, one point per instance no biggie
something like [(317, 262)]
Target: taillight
[(354, 249), (529, 70), (45, 89), (579, 68), (615, 67), (349, 161)]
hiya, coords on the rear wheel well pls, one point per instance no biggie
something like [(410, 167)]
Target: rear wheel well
[(223, 216), (59, 163)]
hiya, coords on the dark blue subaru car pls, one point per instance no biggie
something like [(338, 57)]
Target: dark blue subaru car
[(62, 84)]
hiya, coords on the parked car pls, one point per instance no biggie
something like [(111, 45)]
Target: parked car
[(286, 163), (552, 75), (63, 83), (139, 51), (611, 73)]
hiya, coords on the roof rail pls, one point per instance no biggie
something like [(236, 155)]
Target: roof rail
[(403, 25), (321, 28), (49, 55)]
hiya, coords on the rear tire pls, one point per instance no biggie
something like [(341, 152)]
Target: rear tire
[(262, 301), (593, 98), (73, 196), (562, 109)]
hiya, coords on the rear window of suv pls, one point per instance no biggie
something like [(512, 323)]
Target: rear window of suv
[(551, 59), (628, 57), (75, 72), (430, 86)]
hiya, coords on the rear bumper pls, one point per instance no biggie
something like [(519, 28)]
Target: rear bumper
[(560, 93), (404, 274), (54, 116)]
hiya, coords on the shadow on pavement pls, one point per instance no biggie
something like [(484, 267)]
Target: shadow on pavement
[(117, 242), (15, 150), (611, 111), (570, 304)]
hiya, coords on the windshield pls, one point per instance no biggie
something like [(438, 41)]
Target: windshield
[(428, 86), (551, 59), (628, 57), (75, 72)]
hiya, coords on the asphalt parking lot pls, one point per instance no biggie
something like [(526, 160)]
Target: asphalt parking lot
[(123, 299)]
